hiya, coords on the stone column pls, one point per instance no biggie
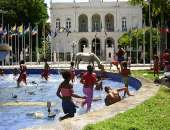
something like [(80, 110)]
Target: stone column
[(89, 23), (103, 22)]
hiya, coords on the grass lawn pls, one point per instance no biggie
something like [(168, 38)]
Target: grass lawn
[(153, 114)]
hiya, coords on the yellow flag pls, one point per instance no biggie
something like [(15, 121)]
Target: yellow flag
[(14, 28), (20, 29)]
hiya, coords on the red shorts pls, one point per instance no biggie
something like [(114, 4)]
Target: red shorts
[(115, 63), (22, 77), (45, 73)]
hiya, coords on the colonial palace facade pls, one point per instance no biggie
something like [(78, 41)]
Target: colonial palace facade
[(95, 26)]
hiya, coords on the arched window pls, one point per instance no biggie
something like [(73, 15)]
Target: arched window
[(124, 28), (109, 22), (83, 23), (68, 23), (57, 23), (96, 23)]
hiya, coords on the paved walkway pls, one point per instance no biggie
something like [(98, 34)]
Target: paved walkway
[(147, 90)]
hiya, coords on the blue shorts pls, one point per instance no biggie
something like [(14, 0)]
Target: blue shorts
[(68, 107), (120, 59)]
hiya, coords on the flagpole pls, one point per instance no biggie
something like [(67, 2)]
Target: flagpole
[(15, 48), (144, 45), (12, 51), (44, 40), (8, 43), (150, 22), (24, 53), (166, 37), (137, 47), (29, 43), (37, 51), (22, 50), (18, 48)]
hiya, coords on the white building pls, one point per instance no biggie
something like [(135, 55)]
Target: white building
[(95, 25)]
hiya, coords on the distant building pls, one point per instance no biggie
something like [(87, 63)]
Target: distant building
[(95, 25)]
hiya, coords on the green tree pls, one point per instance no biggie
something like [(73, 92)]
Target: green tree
[(24, 11), (160, 10)]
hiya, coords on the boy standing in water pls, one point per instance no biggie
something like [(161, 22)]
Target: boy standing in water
[(45, 72), (65, 92), (125, 72), (88, 79), (23, 73)]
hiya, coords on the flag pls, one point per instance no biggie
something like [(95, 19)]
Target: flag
[(20, 29), (35, 31), (67, 31), (5, 32), (14, 29), (1, 30), (53, 33), (26, 30), (61, 29)]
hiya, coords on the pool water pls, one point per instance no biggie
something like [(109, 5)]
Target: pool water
[(32, 98)]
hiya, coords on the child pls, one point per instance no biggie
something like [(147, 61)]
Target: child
[(45, 72), (99, 84), (23, 73), (120, 55), (65, 92), (113, 95), (156, 65), (1, 72), (125, 72), (72, 71), (88, 79)]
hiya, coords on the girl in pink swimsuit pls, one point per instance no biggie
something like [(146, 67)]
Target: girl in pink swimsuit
[(88, 79), (65, 92)]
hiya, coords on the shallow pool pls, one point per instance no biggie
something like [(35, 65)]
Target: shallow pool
[(32, 98)]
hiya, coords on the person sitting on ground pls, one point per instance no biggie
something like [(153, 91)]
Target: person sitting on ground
[(23, 73), (65, 93), (125, 72), (45, 72), (72, 71), (99, 84), (113, 95)]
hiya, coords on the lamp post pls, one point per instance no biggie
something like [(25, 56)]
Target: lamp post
[(73, 47)]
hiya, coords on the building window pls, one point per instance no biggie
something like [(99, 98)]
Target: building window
[(57, 23), (124, 28), (83, 23), (68, 23)]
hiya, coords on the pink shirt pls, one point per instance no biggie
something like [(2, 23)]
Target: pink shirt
[(90, 79)]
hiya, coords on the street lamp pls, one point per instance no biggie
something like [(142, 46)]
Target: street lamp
[(73, 47)]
